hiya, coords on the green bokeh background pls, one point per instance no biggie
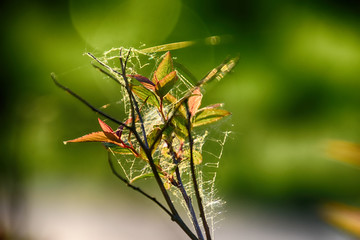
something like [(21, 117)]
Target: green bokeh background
[(296, 86)]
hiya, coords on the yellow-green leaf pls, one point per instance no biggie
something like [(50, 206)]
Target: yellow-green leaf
[(164, 68), (150, 139), (166, 83), (209, 115), (179, 123), (144, 94), (172, 100)]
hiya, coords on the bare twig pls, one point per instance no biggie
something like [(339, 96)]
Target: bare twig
[(193, 174), (124, 180), (145, 146), (87, 103), (173, 214), (186, 197)]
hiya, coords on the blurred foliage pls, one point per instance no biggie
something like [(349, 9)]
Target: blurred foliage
[(297, 85)]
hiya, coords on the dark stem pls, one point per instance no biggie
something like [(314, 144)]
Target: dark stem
[(187, 199), (145, 146), (174, 218), (108, 74), (193, 174), (174, 215)]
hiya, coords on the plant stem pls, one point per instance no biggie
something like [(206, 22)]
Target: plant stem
[(187, 199), (193, 174), (145, 146), (174, 215), (87, 103)]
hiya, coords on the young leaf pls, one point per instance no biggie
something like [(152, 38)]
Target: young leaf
[(91, 137), (164, 68), (166, 83), (179, 123), (195, 101), (144, 81), (106, 128), (209, 115), (144, 94), (151, 138)]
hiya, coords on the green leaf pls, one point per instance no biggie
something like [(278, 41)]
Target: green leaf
[(150, 139), (144, 94), (172, 100), (164, 68), (209, 115), (196, 156), (166, 83), (179, 123)]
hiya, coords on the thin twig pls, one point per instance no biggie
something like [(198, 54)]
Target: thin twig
[(193, 174), (108, 74), (87, 103), (175, 216), (136, 188), (133, 102), (186, 197)]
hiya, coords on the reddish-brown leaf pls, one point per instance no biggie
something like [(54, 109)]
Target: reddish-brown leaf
[(92, 137), (144, 81), (195, 101), (105, 127), (109, 133)]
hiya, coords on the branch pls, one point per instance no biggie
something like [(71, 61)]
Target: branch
[(218, 72), (136, 188), (108, 74), (193, 174), (87, 103), (145, 146), (187, 199)]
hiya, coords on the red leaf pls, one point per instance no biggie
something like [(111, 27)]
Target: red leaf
[(105, 127)]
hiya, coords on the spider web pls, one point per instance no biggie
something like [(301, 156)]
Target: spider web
[(134, 168)]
